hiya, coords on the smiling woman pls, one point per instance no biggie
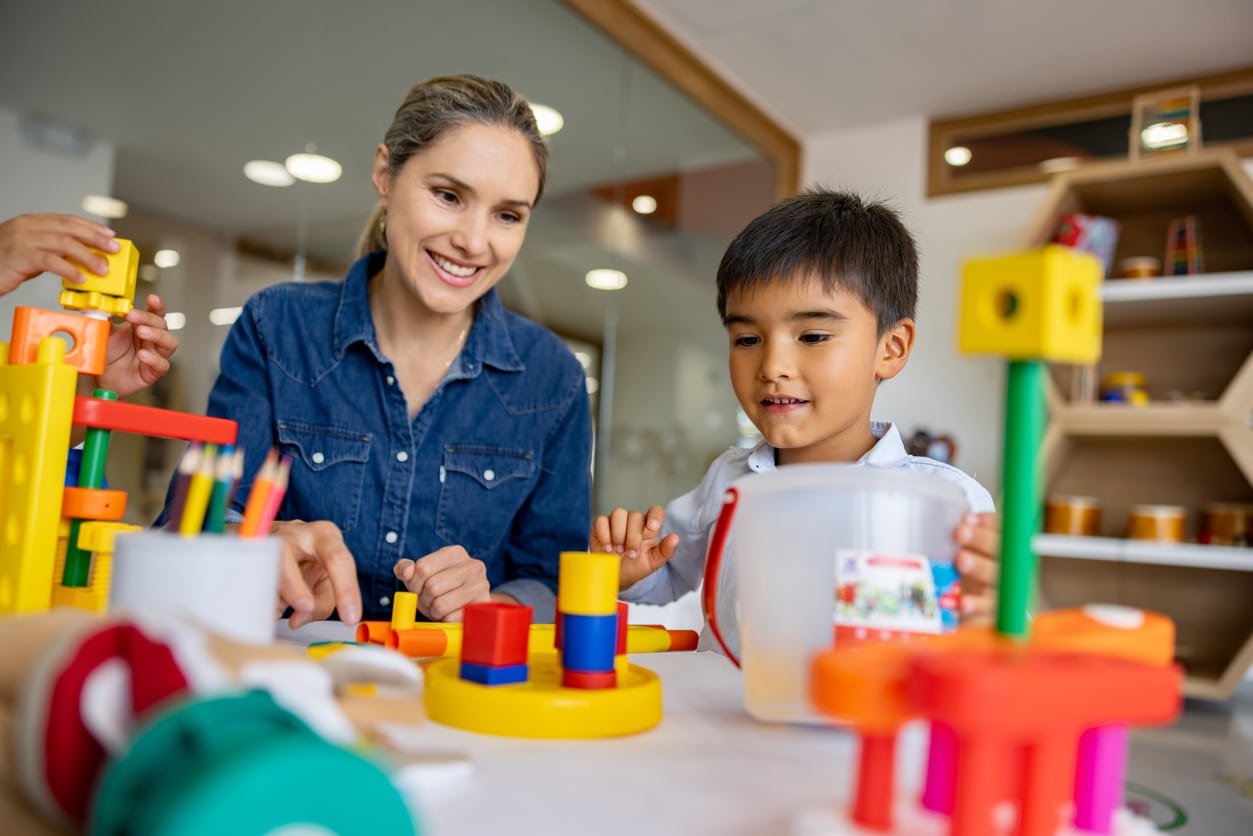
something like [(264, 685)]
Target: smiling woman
[(438, 442)]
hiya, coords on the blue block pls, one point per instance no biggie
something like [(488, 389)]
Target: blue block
[(588, 641), (493, 675)]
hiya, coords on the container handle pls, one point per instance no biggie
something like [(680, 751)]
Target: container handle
[(713, 565)]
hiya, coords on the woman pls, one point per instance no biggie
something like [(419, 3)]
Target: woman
[(442, 442)]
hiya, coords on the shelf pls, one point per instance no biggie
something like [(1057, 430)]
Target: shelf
[(1203, 298), (1187, 555), (1153, 419)]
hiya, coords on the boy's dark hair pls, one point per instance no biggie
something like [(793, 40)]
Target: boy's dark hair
[(836, 238)]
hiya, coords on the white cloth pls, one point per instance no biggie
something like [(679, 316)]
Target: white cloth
[(692, 516)]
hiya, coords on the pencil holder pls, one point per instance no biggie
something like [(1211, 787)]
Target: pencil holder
[(225, 583)]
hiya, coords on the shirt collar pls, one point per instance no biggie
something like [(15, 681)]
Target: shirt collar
[(888, 451), (489, 342)]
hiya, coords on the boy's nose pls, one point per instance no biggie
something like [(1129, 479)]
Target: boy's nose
[(776, 363)]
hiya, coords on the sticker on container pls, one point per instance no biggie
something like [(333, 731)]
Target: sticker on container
[(892, 596)]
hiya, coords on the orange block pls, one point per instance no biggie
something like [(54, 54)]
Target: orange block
[(93, 504), (91, 337)]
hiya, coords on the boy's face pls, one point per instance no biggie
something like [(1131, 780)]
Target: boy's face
[(804, 365)]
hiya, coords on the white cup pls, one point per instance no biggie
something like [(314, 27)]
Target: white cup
[(223, 582)]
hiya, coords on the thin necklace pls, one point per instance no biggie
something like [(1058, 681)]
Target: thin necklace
[(456, 348)]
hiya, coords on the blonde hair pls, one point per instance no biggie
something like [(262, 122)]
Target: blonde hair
[(432, 108)]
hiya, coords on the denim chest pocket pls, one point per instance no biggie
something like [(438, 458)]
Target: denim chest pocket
[(328, 471), (481, 490)]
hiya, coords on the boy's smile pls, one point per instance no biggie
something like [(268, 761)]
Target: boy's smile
[(804, 365)]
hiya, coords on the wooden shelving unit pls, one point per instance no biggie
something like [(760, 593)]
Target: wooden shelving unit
[(1192, 337)]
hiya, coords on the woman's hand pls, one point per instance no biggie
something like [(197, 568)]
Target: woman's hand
[(445, 581)]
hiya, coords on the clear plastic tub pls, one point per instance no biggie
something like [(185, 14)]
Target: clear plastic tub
[(770, 599)]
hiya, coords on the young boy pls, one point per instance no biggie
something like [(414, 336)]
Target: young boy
[(818, 297)]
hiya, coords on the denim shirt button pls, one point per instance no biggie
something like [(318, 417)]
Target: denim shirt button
[(489, 475), (384, 601), (402, 456), (391, 537), (318, 457), (391, 380)]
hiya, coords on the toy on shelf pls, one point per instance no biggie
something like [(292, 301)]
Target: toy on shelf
[(586, 690), (1034, 714), (51, 531), (1183, 247)]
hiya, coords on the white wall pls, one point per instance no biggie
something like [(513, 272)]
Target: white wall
[(940, 389), (36, 180)]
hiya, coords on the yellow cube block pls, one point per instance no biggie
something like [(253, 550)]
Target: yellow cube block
[(119, 281), (1043, 304)]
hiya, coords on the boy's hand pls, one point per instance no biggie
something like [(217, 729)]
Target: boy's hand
[(634, 536), (445, 581), (33, 244), (979, 536), (139, 350)]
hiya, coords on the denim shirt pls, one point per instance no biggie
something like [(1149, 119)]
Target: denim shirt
[(497, 460)]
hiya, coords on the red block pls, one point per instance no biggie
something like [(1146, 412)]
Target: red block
[(495, 633), (151, 421)]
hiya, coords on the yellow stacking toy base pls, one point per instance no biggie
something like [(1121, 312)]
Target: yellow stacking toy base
[(541, 707)]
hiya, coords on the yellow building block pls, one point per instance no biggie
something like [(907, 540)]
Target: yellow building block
[(1043, 304), (119, 282), (36, 411), (587, 583)]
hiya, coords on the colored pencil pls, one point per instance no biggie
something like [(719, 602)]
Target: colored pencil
[(257, 495), (274, 499), (198, 493), (187, 467), (223, 487)]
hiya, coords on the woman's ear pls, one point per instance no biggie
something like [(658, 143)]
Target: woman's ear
[(381, 175), (894, 349)]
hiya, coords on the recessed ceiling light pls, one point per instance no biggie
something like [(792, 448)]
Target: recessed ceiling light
[(268, 173), (1164, 135), (175, 320), (603, 279), (103, 206), (225, 316), (165, 258), (1055, 164), (548, 120), (957, 156), (644, 204), (313, 168)]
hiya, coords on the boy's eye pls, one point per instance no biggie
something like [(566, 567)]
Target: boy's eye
[(745, 340), (815, 338)]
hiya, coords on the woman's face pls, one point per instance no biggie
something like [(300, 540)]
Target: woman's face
[(457, 213)]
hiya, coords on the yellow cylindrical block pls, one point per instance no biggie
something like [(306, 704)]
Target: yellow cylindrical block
[(587, 583), (404, 610)]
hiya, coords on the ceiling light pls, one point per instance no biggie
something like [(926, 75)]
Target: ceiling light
[(149, 272), (957, 156), (603, 279), (225, 316), (268, 173), (175, 321), (1055, 164), (313, 168), (1164, 135), (547, 120), (165, 258), (104, 207), (593, 386), (644, 204)]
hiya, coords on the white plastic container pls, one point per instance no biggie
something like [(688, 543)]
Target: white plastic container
[(771, 599), (224, 583)]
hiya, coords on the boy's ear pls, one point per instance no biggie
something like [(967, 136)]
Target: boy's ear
[(894, 348)]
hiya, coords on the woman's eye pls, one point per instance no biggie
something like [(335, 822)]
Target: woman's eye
[(511, 217), (446, 195)]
